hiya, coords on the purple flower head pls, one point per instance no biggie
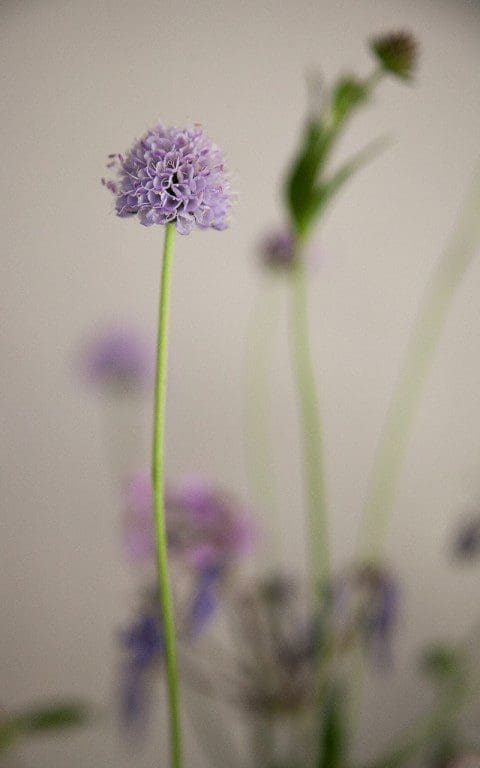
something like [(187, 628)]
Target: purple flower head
[(172, 175), (118, 358), (467, 542), (277, 250), (206, 528)]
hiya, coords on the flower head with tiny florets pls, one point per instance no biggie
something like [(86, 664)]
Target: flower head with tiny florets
[(397, 53), (172, 175)]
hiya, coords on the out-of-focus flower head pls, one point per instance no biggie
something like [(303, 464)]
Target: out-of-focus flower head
[(277, 249), (365, 602), (118, 358), (172, 175), (271, 626), (397, 53), (467, 540), (206, 526), (207, 529)]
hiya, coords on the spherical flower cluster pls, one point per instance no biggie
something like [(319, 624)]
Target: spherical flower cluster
[(172, 175)]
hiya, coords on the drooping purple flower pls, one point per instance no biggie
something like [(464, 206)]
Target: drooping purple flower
[(118, 358), (206, 528), (204, 600), (142, 642), (143, 649), (366, 602), (467, 542), (172, 175)]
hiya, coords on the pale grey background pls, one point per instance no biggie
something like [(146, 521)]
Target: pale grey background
[(83, 79)]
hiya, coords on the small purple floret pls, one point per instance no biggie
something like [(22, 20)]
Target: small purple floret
[(172, 175)]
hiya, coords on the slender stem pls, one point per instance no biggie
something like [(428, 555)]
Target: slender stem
[(311, 425), (258, 442), (164, 587), (421, 348)]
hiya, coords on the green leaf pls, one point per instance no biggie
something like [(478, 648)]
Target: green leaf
[(333, 741), (442, 663), (305, 170), (8, 734), (57, 716)]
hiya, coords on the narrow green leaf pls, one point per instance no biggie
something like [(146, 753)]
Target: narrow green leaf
[(63, 715), (305, 170)]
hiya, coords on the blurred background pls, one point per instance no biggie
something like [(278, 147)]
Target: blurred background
[(81, 80)]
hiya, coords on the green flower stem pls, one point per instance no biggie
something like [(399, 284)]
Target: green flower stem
[(423, 342), (311, 426), (164, 588), (258, 442)]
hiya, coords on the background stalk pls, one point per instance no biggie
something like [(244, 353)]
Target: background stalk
[(421, 348), (259, 440), (311, 424)]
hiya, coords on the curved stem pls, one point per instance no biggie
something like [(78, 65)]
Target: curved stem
[(311, 425), (421, 348), (164, 587)]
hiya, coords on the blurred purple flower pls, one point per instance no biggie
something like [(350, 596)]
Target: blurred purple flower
[(204, 602), (277, 250), (365, 603), (118, 358), (206, 528), (467, 541), (172, 175), (143, 647), (143, 644)]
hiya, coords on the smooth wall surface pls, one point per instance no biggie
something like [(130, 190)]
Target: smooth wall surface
[(81, 80)]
